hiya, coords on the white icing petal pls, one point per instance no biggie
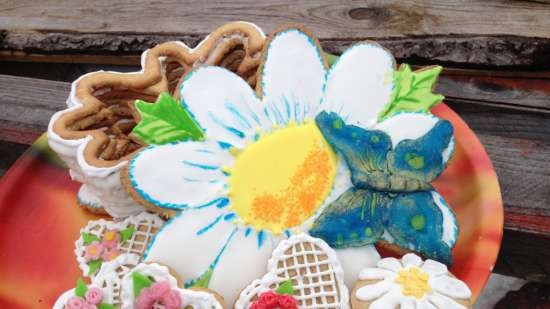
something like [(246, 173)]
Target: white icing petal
[(389, 301), (425, 304), (374, 291), (444, 302), (190, 242), (451, 287), (390, 263), (450, 226), (375, 274), (243, 261), (411, 259), (186, 174), (434, 268), (293, 77), (407, 126), (408, 303), (224, 105), (355, 259), (360, 84), (448, 152)]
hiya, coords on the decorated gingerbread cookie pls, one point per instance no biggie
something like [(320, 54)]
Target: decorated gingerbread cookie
[(86, 296), (409, 283), (346, 154), (151, 286), (303, 272), (93, 135), (101, 242)]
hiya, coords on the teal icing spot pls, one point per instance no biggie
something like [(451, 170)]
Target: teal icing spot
[(201, 166), (224, 145), (230, 216), (210, 225), (261, 238), (247, 231), (237, 114)]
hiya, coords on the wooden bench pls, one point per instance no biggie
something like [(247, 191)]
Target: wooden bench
[(497, 76)]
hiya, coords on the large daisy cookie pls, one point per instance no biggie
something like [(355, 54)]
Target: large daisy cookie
[(255, 167), (409, 283)]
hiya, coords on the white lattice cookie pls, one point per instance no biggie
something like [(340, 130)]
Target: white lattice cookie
[(304, 268), (409, 283), (103, 241), (155, 286), (86, 296)]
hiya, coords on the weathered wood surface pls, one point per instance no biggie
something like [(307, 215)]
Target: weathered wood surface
[(495, 33)]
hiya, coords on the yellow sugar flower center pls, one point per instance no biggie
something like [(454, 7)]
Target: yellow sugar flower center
[(414, 282), (110, 235), (282, 179)]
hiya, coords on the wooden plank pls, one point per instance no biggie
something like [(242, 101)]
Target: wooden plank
[(524, 255), (495, 33)]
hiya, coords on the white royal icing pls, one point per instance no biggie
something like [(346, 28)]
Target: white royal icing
[(311, 281), (193, 171), (387, 293), (360, 84)]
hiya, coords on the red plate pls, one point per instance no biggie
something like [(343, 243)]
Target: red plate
[(40, 220)]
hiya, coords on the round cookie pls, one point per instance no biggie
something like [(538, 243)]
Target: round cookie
[(409, 283)]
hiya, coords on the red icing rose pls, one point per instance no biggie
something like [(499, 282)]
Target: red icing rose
[(272, 300)]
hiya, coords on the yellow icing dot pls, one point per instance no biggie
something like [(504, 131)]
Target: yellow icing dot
[(110, 235), (280, 181), (414, 282)]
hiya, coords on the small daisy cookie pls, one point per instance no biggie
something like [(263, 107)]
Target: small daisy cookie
[(409, 283)]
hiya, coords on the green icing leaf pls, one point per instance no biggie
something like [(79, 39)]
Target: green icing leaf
[(126, 234), (413, 91), (285, 288), (331, 59), (140, 282), (93, 266), (106, 306), (89, 238), (81, 288), (165, 121), (204, 280)]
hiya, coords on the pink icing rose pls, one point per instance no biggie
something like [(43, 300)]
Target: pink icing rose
[(75, 302), (111, 238), (161, 293), (146, 299), (171, 300), (94, 296), (93, 251), (110, 254), (89, 306)]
